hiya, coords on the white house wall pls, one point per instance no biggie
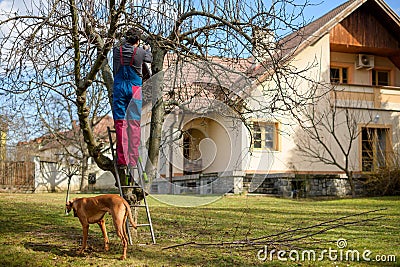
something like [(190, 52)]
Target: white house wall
[(51, 177), (284, 160), (222, 149)]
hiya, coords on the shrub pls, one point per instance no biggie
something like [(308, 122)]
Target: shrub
[(383, 182)]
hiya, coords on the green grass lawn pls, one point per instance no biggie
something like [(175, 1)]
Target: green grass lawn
[(35, 232)]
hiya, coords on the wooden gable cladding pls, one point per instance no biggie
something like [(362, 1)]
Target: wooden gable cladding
[(396, 60), (367, 29)]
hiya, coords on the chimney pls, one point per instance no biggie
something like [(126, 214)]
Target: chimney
[(264, 44)]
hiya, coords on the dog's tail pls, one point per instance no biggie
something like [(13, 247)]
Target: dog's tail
[(129, 213)]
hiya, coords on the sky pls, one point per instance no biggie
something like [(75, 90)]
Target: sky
[(311, 12), (326, 5)]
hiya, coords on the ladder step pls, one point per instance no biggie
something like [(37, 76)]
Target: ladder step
[(138, 206), (131, 186), (142, 224)]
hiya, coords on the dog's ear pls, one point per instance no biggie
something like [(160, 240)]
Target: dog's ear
[(68, 205)]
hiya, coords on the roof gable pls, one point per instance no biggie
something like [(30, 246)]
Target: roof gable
[(364, 31), (296, 42)]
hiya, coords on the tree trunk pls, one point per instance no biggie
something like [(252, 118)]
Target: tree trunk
[(84, 173), (108, 79), (157, 114), (351, 183)]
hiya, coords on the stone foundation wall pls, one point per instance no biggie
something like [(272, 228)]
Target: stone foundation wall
[(209, 184), (327, 187), (286, 185)]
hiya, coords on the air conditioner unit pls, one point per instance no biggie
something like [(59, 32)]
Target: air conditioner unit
[(364, 61)]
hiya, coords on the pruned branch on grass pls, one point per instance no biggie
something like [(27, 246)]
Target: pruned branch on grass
[(290, 236)]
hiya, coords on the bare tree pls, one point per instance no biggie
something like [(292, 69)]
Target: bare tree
[(57, 118), (61, 48), (329, 132)]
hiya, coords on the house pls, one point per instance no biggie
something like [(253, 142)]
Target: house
[(60, 155), (354, 53), (349, 61)]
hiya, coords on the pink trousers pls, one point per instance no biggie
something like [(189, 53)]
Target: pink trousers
[(128, 141)]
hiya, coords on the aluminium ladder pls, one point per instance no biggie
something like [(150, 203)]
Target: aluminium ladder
[(133, 184)]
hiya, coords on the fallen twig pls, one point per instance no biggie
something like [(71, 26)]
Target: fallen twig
[(282, 238)]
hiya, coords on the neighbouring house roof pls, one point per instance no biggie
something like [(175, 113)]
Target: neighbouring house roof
[(100, 129), (72, 137), (294, 43)]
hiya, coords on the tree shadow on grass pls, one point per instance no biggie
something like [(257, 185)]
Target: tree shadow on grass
[(58, 250), (66, 241), (93, 248), (24, 217), (189, 256)]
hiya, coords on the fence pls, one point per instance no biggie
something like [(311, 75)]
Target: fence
[(19, 175)]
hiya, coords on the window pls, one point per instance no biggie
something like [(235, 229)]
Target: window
[(380, 77), (92, 178), (191, 151), (257, 135), (265, 135), (339, 75), (375, 147)]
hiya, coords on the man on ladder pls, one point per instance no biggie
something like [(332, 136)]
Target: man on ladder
[(128, 59)]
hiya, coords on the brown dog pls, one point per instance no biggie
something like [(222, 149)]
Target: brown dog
[(92, 209)]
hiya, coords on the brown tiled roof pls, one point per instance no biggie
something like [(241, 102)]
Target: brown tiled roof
[(187, 78), (100, 129)]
